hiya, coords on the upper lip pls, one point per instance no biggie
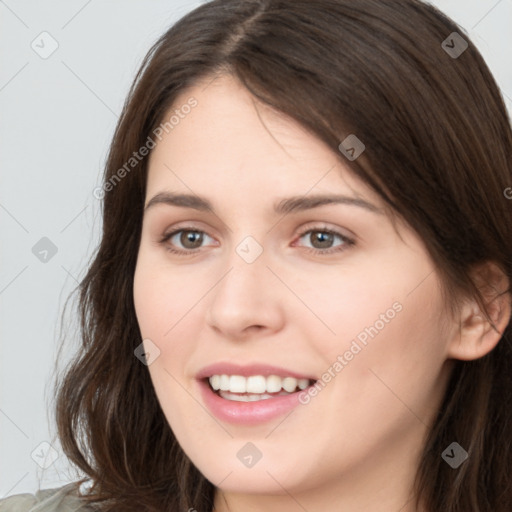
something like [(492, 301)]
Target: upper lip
[(248, 370)]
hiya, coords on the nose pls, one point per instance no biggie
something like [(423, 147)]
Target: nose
[(248, 299)]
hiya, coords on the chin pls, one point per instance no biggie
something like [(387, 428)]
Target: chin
[(270, 476), (250, 481)]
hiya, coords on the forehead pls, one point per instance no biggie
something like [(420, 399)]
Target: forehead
[(233, 146)]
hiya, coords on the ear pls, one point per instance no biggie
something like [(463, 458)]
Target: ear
[(476, 337)]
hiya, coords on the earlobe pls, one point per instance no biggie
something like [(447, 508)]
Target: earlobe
[(476, 336)]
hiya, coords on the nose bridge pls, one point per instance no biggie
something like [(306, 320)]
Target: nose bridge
[(249, 250), (247, 264)]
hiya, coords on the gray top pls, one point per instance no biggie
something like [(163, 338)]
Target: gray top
[(46, 500)]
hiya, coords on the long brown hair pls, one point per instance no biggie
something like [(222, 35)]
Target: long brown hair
[(438, 151)]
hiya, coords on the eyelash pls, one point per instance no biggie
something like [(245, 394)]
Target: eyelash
[(347, 242)]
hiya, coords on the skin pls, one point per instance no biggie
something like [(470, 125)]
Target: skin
[(356, 445)]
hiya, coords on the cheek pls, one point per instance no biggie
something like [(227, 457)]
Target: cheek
[(380, 324), (163, 308), (354, 306), (393, 361), (169, 305), (163, 296)]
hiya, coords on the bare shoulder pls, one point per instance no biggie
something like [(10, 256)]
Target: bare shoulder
[(60, 499)]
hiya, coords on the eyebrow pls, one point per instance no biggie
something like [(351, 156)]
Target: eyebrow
[(285, 206)]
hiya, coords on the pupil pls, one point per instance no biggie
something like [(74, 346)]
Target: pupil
[(191, 239), (323, 239)]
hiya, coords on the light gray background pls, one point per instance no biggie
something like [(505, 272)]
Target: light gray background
[(57, 118)]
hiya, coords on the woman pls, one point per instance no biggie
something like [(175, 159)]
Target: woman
[(301, 299)]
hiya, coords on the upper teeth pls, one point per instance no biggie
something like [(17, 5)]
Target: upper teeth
[(256, 383)]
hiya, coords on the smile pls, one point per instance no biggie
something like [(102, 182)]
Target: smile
[(255, 387), (253, 393)]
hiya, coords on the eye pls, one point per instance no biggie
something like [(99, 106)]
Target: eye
[(186, 240), (323, 241)]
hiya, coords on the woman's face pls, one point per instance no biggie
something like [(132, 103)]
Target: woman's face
[(278, 280)]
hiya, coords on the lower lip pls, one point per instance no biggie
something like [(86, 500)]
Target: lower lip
[(248, 413)]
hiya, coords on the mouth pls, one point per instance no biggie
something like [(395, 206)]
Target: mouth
[(254, 399), (251, 394), (253, 388)]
